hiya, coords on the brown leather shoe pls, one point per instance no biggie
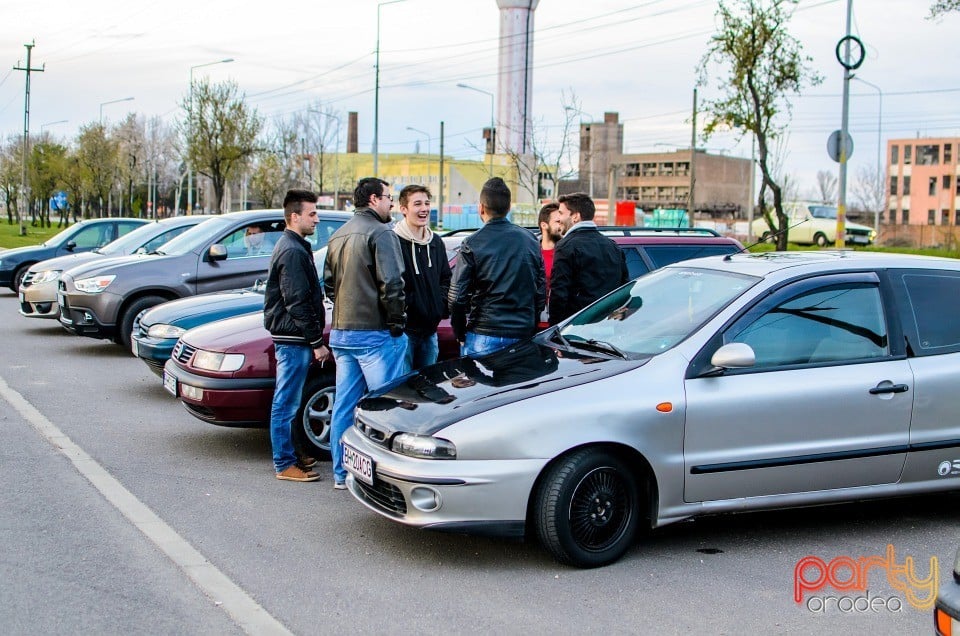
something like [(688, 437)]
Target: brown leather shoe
[(295, 473), (306, 462)]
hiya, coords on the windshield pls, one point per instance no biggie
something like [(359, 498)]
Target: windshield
[(196, 237), (823, 211), (655, 312), (129, 242)]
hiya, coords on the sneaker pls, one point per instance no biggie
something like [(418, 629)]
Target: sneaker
[(295, 473), (305, 462), (339, 485)]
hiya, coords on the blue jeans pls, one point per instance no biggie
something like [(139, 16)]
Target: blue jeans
[(366, 361), (477, 344), (421, 350), (293, 361)]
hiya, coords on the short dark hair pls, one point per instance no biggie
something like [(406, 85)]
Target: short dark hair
[(495, 197), (579, 202), (410, 190), (294, 200), (366, 188), (546, 211)]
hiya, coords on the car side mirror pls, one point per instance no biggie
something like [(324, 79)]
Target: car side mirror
[(735, 355), (217, 252), (71, 245)]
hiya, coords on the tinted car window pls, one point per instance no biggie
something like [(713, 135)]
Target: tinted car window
[(94, 235), (828, 324), (663, 255), (123, 228), (256, 239), (156, 242), (635, 263), (322, 234), (935, 302)]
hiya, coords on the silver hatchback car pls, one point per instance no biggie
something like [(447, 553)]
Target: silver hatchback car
[(723, 384)]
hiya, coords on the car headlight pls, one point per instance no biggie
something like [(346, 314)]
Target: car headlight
[(93, 285), (423, 446), (46, 276), (161, 330), (212, 361), (873, 235)]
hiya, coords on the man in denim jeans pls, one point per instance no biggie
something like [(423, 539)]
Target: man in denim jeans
[(363, 276), (293, 314), (499, 286)]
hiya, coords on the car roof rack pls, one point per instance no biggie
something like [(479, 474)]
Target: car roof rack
[(641, 230)]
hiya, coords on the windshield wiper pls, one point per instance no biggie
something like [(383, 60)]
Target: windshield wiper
[(556, 336), (599, 345)]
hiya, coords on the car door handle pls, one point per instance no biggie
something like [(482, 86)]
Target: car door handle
[(892, 388)]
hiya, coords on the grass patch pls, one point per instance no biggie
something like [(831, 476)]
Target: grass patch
[(923, 251), (10, 234)]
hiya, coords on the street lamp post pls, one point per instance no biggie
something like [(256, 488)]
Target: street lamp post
[(880, 171), (376, 93), (114, 101), (428, 147), (190, 127), (52, 123), (493, 130), (336, 185)]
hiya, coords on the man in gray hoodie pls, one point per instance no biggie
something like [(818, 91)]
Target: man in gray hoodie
[(426, 277)]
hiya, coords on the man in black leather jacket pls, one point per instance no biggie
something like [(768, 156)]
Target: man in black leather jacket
[(363, 276), (499, 286), (586, 264)]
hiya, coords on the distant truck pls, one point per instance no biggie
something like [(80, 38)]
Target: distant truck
[(813, 223)]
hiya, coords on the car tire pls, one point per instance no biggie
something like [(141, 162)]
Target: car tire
[(18, 277), (130, 314), (820, 239), (587, 508), (311, 425)]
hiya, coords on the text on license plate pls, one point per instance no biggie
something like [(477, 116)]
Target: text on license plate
[(170, 383), (360, 464)]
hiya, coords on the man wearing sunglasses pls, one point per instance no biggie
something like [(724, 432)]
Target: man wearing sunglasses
[(363, 276)]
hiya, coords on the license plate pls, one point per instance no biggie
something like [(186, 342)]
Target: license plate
[(360, 464), (170, 383), (858, 239)]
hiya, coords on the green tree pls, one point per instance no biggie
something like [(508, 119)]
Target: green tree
[(267, 180), (761, 67), (47, 162), (220, 133), (11, 176), (97, 155)]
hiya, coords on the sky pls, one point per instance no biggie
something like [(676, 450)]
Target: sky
[(639, 59)]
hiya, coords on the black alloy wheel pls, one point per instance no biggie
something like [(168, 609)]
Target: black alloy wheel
[(587, 508)]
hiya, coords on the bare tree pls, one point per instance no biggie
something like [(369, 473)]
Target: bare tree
[(764, 65), (267, 183), (551, 158), (11, 157), (826, 186), (97, 155), (941, 7), (869, 190), (220, 132)]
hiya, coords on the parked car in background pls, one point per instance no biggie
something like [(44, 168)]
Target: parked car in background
[(946, 615), (38, 290), (813, 223), (743, 382), (84, 236), (102, 300), (242, 396)]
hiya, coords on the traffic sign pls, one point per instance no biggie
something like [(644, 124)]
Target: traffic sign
[(833, 146), (59, 200)]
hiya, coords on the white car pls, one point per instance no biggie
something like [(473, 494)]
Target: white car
[(814, 223)]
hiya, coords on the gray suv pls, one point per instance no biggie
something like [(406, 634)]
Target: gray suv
[(722, 384), (102, 299)]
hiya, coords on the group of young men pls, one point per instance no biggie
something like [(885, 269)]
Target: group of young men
[(391, 285)]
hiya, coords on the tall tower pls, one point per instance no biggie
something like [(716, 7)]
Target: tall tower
[(515, 79)]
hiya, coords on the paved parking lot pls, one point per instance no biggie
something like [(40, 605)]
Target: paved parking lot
[(308, 559)]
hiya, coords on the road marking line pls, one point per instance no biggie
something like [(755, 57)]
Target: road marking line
[(246, 612)]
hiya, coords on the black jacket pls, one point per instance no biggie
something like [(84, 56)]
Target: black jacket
[(498, 286), (363, 275), (293, 302), (426, 279), (586, 266)]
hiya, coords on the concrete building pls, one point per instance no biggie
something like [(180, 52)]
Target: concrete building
[(922, 181)]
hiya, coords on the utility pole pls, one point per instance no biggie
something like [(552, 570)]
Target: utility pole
[(693, 161), (844, 125), (440, 196), (25, 183)]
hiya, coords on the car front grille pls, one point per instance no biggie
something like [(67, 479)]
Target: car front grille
[(384, 495), (858, 232), (182, 352)]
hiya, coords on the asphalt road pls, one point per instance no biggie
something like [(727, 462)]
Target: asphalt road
[(92, 448)]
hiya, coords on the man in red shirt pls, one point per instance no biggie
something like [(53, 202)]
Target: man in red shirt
[(551, 231)]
